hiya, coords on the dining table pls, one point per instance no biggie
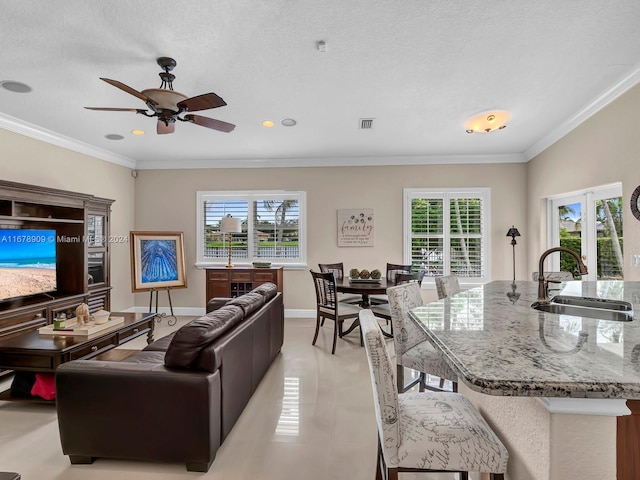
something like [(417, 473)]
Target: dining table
[(363, 287)]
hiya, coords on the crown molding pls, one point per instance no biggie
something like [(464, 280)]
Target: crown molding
[(334, 161), (583, 114), (33, 131)]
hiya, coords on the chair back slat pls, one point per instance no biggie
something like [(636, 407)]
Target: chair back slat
[(336, 268), (393, 269), (417, 277), (325, 284), (384, 387)]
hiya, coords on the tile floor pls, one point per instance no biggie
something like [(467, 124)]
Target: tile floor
[(311, 418)]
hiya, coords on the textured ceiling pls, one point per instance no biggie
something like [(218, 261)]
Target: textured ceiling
[(419, 68)]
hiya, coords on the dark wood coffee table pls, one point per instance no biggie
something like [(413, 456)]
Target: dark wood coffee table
[(34, 352)]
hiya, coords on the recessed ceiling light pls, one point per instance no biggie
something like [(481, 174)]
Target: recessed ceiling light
[(137, 132), (16, 87), (288, 122), (113, 136), (268, 123), (487, 122)]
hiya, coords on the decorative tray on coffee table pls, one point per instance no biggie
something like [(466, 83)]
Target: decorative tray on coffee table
[(364, 280), (72, 328)]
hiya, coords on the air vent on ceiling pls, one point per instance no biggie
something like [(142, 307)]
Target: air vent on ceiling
[(366, 123)]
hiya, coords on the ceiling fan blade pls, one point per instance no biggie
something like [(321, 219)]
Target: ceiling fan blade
[(129, 90), (210, 123), (108, 109), (163, 128), (201, 102)]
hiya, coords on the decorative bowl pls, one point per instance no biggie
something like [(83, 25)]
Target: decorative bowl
[(101, 317), (261, 264)]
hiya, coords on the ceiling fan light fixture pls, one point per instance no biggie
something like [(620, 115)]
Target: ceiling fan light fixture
[(486, 122), (165, 99)]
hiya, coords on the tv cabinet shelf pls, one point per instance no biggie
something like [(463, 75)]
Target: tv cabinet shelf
[(41, 219), (81, 225)]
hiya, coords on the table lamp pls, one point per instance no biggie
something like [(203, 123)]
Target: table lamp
[(230, 225), (513, 233)]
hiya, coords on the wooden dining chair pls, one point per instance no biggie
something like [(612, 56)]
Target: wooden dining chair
[(338, 271), (328, 307), (426, 432)]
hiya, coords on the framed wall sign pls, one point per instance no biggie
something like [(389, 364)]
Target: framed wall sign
[(157, 261), (355, 227)]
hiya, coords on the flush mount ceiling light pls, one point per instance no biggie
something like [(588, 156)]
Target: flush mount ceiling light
[(113, 136), (15, 87), (288, 122), (487, 122), (268, 124)]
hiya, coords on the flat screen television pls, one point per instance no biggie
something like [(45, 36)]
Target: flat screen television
[(27, 262)]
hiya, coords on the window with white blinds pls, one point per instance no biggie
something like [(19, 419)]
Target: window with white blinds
[(273, 227), (447, 232)]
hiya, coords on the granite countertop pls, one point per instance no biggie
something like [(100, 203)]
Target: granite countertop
[(499, 345)]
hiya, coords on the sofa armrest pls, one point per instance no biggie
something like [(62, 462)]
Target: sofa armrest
[(216, 303), (140, 411)]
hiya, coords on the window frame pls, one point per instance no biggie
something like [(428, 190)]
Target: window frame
[(447, 194), (251, 196)]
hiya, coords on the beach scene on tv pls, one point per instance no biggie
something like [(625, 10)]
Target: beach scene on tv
[(27, 262)]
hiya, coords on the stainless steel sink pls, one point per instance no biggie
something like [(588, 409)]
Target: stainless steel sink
[(599, 308)]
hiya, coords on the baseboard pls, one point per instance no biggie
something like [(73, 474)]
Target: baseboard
[(199, 311)]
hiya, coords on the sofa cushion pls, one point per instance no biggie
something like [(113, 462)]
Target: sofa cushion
[(190, 339), (267, 290), (160, 345), (249, 302), (145, 356)]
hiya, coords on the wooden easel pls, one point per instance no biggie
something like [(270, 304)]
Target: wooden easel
[(160, 316)]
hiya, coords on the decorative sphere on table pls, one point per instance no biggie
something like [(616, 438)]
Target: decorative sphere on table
[(364, 274), (375, 274), (354, 273)]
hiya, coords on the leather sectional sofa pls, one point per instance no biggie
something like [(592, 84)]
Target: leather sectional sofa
[(176, 400)]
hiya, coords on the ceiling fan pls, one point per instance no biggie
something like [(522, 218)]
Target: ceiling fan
[(168, 105)]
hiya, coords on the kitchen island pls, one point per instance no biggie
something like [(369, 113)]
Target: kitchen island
[(551, 385)]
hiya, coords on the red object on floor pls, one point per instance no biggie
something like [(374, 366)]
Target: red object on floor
[(45, 386)]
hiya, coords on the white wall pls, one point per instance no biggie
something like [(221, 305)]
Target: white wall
[(604, 149), (166, 200)]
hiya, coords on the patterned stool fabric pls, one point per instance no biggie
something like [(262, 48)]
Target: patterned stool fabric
[(427, 431), (447, 285), (411, 343)]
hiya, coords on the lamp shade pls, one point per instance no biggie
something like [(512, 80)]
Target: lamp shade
[(230, 225), (513, 232)]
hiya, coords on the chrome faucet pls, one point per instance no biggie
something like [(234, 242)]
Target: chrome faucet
[(543, 284)]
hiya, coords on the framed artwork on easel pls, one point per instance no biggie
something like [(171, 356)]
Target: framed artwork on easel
[(157, 261)]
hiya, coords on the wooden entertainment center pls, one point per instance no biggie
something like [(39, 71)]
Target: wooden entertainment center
[(81, 224)]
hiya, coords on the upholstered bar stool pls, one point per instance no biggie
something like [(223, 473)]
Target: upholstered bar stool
[(447, 285), (426, 432), (411, 343)]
